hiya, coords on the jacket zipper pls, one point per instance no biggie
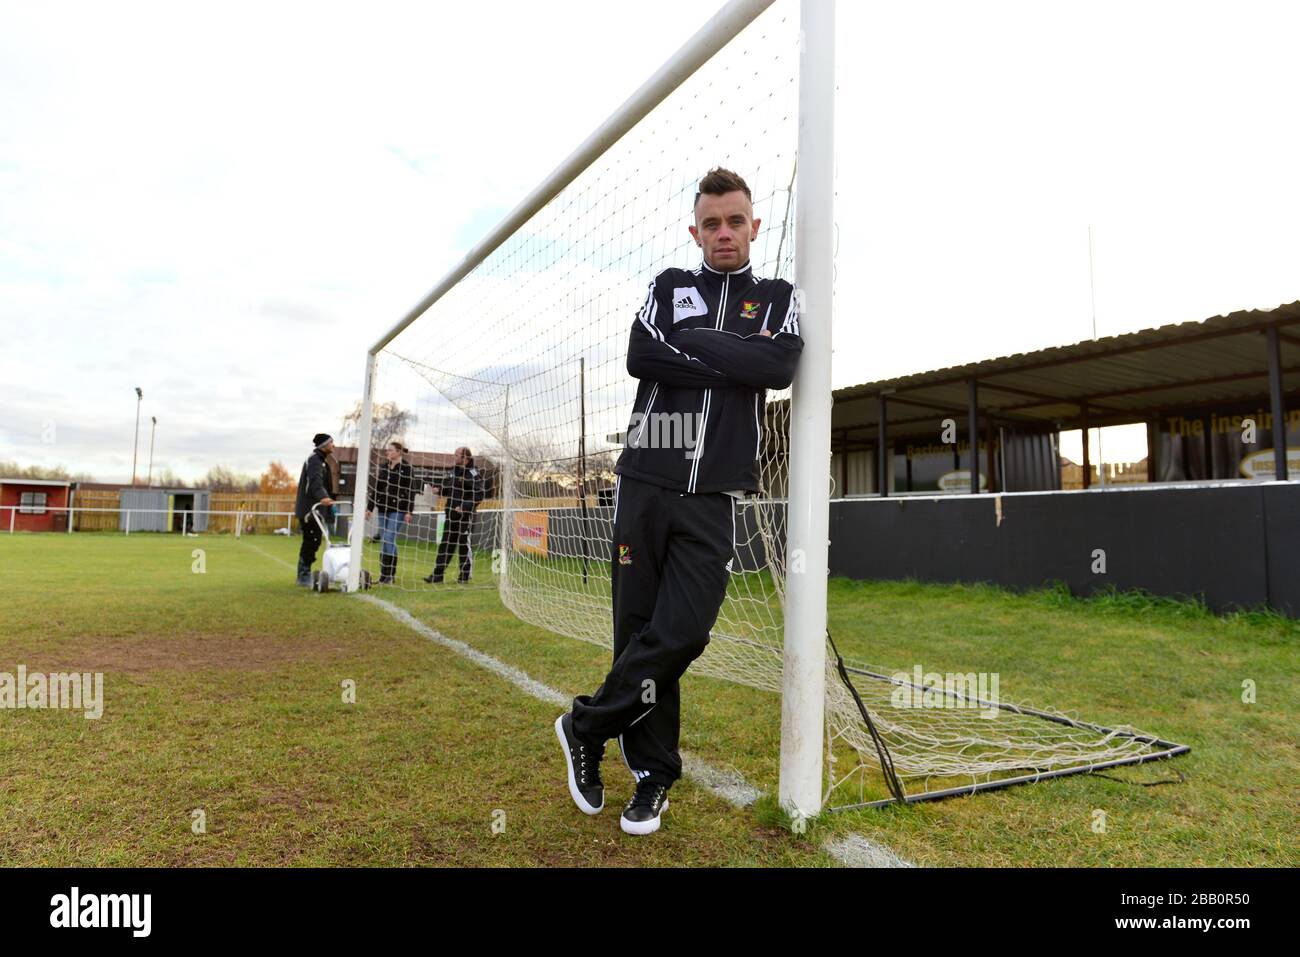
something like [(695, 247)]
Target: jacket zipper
[(708, 396)]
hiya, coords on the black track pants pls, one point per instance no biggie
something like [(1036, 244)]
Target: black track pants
[(670, 553), (311, 541), (455, 535)]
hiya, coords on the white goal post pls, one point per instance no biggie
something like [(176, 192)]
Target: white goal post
[(803, 698), (803, 684)]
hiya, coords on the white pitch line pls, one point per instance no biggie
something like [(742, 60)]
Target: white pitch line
[(729, 785), (854, 850), (274, 558), (851, 850)]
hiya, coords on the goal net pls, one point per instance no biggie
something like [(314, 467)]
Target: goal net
[(521, 359)]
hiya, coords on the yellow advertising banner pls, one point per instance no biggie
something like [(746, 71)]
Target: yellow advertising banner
[(530, 532)]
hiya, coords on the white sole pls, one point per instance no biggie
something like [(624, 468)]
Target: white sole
[(583, 805), (640, 828)]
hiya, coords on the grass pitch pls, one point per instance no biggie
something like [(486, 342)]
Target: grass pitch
[(224, 694)]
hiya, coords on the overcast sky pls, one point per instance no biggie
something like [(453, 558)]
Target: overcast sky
[(225, 204)]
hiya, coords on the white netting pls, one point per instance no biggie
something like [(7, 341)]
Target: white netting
[(523, 362)]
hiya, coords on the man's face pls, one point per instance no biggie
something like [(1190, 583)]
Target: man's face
[(462, 457), (724, 228), (328, 447), (394, 455)]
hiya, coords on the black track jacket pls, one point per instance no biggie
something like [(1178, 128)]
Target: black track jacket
[(463, 488), (697, 420), (313, 485), (393, 489)]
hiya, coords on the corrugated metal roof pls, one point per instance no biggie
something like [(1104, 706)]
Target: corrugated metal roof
[(26, 481), (1123, 378)]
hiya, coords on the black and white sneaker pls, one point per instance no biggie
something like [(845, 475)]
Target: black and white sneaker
[(583, 760), (642, 814)]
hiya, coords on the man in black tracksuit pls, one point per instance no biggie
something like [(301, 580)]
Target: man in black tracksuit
[(463, 489), (706, 345), (313, 489)]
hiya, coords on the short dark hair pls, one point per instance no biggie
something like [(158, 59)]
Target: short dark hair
[(719, 181)]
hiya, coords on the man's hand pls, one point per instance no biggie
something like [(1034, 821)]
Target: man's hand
[(407, 518), (327, 501), (368, 514), (767, 333)]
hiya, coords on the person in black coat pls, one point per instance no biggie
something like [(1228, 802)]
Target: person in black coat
[(313, 489), (392, 494), (462, 489)]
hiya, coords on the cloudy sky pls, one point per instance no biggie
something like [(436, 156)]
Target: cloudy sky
[(226, 204)]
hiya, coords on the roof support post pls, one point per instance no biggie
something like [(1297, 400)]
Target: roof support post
[(882, 459), (1275, 403), (1087, 457)]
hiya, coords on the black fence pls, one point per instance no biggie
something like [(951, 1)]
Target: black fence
[(1233, 546)]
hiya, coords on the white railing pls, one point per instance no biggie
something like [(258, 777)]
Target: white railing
[(240, 520)]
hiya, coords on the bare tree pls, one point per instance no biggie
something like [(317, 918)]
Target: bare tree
[(57, 473), (546, 466), (388, 421), (222, 479), (168, 479)]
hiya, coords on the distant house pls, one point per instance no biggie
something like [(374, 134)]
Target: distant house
[(33, 505)]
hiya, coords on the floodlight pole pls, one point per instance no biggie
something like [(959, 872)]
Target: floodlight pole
[(152, 433), (135, 449), (803, 701)]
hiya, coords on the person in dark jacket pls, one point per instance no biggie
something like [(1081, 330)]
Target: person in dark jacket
[(706, 346), (462, 489), (392, 494), (313, 489)]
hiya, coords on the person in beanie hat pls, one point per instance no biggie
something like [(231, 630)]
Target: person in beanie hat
[(313, 489), (393, 494)]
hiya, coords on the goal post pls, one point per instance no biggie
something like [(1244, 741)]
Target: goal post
[(361, 487), (808, 510), (804, 589)]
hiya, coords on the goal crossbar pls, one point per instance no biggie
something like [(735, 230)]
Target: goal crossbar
[(707, 41)]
